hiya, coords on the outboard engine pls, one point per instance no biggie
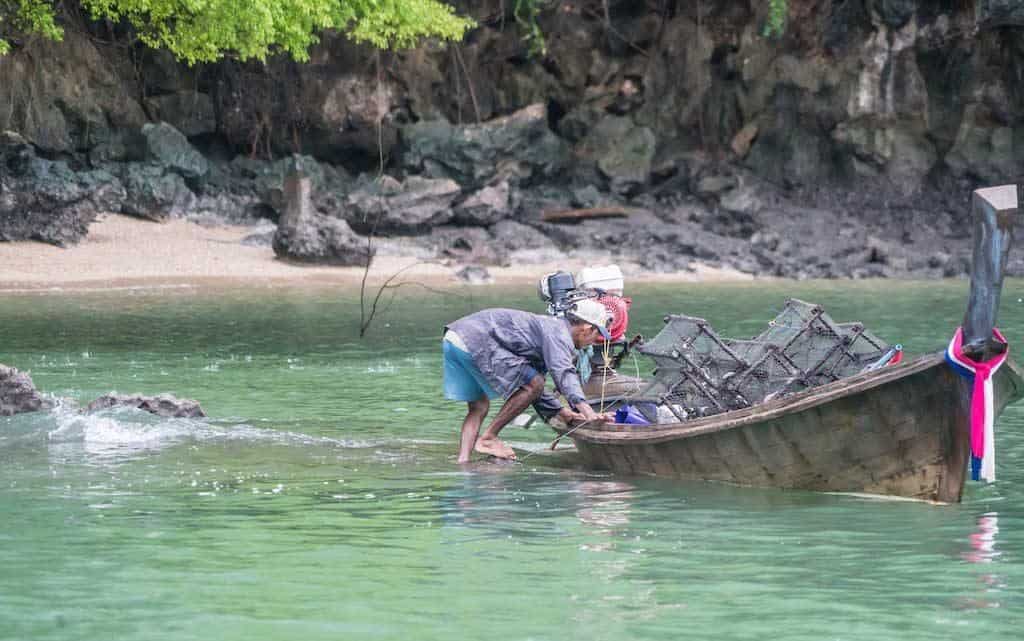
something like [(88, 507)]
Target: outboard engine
[(559, 291)]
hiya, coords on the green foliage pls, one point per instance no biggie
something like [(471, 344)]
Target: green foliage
[(778, 11), (526, 12), (206, 30), (31, 16)]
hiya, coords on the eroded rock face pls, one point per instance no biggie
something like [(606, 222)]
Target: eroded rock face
[(868, 111), (622, 151), (164, 405), (18, 394), (1000, 13), (190, 112), (64, 97), (46, 200), (410, 206), (520, 147), (168, 147), (486, 206), (154, 193)]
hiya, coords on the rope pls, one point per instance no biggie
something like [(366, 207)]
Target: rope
[(555, 442)]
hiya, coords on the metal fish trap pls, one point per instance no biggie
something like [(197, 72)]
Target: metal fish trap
[(700, 373)]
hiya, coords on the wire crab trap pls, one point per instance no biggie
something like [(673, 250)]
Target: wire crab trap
[(700, 373)]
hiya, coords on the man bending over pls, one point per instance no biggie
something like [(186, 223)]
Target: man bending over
[(507, 352)]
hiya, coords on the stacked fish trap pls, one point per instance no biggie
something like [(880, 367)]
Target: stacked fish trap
[(700, 373)]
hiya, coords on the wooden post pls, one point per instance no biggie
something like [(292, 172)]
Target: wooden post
[(993, 210), (298, 204)]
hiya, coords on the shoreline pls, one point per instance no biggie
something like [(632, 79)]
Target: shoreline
[(126, 253)]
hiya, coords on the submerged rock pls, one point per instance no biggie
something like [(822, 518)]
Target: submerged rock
[(164, 405), (18, 394)]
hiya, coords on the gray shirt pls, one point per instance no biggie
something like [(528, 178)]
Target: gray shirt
[(502, 342)]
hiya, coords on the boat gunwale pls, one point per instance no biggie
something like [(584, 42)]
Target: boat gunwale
[(658, 433)]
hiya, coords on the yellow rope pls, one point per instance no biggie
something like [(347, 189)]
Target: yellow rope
[(606, 349)]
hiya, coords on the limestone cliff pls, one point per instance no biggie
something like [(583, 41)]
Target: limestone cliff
[(861, 107)]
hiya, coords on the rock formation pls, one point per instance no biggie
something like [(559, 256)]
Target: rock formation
[(18, 394), (876, 118), (164, 405)]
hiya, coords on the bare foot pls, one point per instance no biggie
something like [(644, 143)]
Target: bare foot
[(494, 447)]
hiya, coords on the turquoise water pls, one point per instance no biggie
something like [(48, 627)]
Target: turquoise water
[(321, 499)]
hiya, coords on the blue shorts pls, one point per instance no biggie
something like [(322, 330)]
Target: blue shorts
[(463, 380)]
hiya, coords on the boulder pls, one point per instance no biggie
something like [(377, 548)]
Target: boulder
[(169, 148), (261, 236), (985, 149), (474, 275), (322, 240), (893, 149), (45, 200), (519, 147), (154, 193), (622, 151), (743, 199), (164, 405), (387, 205), (18, 394), (484, 207), (590, 196), (305, 236), (999, 13), (468, 245), (329, 183), (226, 207), (526, 244)]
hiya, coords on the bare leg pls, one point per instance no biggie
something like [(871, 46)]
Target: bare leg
[(513, 407), (471, 426)]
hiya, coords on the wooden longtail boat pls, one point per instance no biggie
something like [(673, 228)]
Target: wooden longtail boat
[(901, 430)]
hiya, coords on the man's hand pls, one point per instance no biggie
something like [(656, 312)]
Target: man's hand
[(568, 416), (586, 414), (590, 416)]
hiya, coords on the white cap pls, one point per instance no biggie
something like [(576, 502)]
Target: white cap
[(590, 311)]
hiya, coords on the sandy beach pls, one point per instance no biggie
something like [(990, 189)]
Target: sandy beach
[(121, 251)]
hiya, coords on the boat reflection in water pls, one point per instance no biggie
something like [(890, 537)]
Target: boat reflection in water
[(983, 542), (604, 506), (982, 549)]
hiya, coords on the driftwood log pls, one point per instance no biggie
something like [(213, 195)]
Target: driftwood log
[(578, 215)]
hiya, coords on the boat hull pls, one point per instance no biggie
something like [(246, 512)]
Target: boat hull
[(901, 431)]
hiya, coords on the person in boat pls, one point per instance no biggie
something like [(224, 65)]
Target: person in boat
[(595, 365), (506, 353)]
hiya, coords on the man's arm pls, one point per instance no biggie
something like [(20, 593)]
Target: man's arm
[(559, 358)]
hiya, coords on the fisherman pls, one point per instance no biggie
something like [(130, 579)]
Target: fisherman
[(507, 352)]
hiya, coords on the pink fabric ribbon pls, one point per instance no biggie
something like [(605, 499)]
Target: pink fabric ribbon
[(982, 401)]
